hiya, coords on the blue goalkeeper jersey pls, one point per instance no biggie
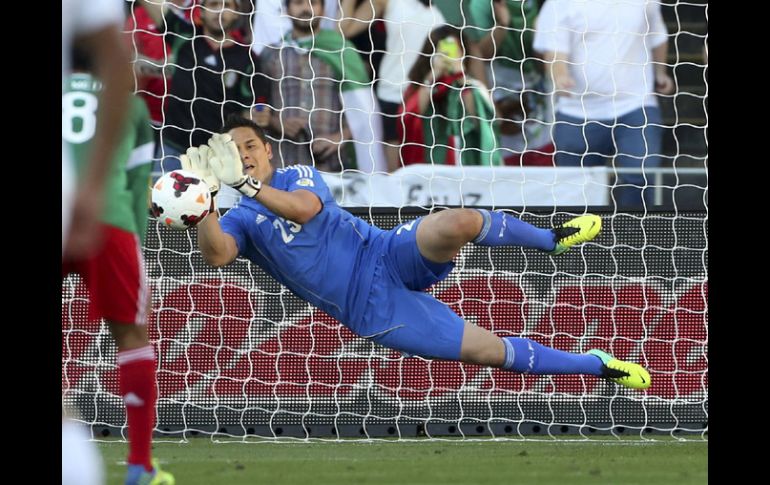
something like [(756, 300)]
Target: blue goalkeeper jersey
[(324, 261)]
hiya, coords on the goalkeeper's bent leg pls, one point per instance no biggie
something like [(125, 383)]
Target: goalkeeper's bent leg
[(501, 229)]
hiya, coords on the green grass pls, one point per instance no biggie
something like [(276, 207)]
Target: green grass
[(201, 461)]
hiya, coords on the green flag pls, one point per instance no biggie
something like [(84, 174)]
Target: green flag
[(478, 136)]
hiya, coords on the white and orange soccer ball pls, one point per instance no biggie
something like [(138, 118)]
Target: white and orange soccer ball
[(180, 199)]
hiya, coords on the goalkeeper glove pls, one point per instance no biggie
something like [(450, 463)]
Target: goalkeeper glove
[(227, 166), (197, 161)]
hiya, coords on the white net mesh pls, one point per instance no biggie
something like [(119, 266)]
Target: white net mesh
[(239, 355)]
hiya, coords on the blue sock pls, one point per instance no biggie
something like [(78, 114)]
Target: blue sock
[(527, 356), (501, 229), (135, 474)]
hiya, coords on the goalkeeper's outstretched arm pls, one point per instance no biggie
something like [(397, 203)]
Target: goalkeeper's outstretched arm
[(299, 206), (217, 247)]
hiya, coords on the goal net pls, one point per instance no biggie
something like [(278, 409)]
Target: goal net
[(239, 355)]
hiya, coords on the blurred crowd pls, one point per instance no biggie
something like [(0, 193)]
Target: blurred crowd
[(374, 85)]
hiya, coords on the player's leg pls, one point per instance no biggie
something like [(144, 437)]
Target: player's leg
[(120, 295), (638, 136), (441, 235), (136, 365), (422, 325), (419, 324), (416, 323), (421, 251), (480, 346)]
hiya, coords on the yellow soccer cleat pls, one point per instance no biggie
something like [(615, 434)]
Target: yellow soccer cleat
[(137, 475), (626, 374), (161, 477), (576, 231)]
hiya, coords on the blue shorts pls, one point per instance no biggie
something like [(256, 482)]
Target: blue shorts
[(399, 314)]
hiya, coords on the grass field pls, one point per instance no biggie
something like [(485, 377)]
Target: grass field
[(629, 461)]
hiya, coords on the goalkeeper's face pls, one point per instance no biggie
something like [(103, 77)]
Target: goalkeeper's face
[(255, 154)]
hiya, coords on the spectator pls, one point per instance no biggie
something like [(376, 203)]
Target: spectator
[(316, 73), (371, 43), (271, 22), (502, 31), (607, 60), (150, 52), (446, 110), (214, 75), (407, 25)]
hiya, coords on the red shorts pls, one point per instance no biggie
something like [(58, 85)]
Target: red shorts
[(115, 278)]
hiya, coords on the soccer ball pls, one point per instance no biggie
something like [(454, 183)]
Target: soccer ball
[(180, 199)]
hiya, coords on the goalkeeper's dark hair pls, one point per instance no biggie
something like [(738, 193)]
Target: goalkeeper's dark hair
[(237, 121)]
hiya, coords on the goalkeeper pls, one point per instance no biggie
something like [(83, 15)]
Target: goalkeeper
[(372, 280)]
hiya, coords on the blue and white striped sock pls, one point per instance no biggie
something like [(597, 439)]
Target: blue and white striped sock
[(527, 356), (501, 229)]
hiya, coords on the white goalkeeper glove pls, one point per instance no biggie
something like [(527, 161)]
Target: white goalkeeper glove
[(197, 161), (226, 164)]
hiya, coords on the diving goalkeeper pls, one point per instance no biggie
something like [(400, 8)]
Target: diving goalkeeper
[(372, 280)]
